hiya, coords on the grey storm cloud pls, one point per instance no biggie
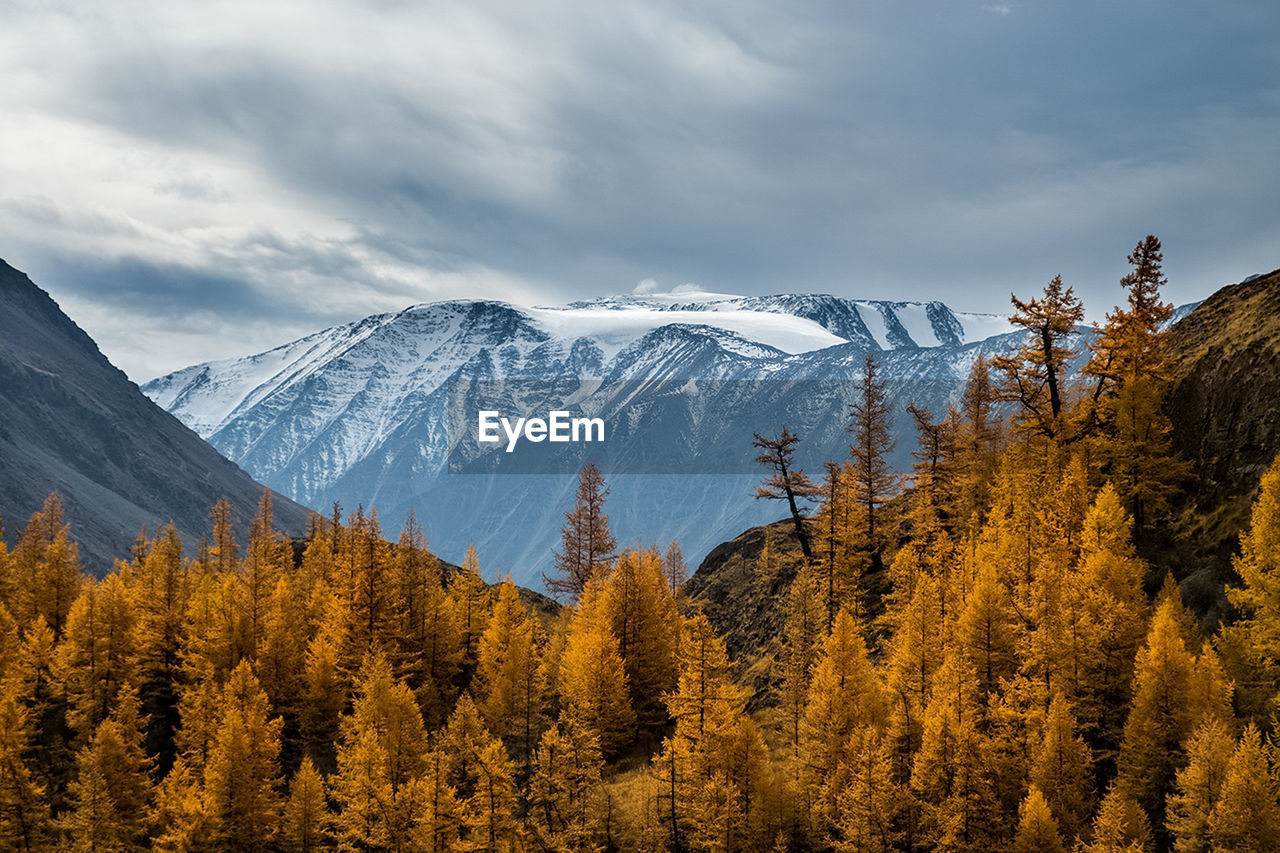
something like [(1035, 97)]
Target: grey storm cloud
[(225, 173)]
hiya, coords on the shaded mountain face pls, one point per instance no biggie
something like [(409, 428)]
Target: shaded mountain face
[(1226, 399), (1225, 409), (71, 422), (359, 413)]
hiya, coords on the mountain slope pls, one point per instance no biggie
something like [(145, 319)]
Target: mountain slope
[(1225, 409), (71, 422), (1226, 398)]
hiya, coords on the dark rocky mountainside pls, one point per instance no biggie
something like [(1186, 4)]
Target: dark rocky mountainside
[(71, 422), (1225, 409), (1226, 400)]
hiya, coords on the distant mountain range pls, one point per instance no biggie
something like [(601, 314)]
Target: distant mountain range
[(360, 413), (72, 423)]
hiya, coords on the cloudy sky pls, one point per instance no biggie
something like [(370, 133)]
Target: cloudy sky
[(199, 180)]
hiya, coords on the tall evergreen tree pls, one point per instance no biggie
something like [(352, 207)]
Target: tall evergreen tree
[(786, 482), (509, 684), (1246, 818), (1257, 599), (641, 614), (242, 773), (1199, 787), (593, 676), (380, 757), (871, 422), (1130, 367), (674, 567), (586, 543), (1033, 378)]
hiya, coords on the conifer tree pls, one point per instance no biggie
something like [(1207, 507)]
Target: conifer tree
[(985, 633), (976, 441), (179, 816), (1258, 597), (870, 802), (306, 822), (712, 768), (96, 657), (200, 708), (225, 553), (1112, 628), (1199, 787), (1033, 377), (951, 771), (209, 640), (24, 814), (111, 793), (1162, 717), (803, 634), (283, 646), (845, 696), (471, 605), (641, 614), (1121, 825), (1129, 365), (438, 819), (1061, 769), (381, 754), (871, 422), (1246, 818), (786, 482), (420, 594), (480, 773), (587, 545), (373, 592), (593, 677), (263, 565), (566, 803), (914, 656), (241, 775), (439, 644), (934, 460), (325, 684), (36, 680), (674, 568), (1037, 830), (161, 598), (509, 684), (45, 569), (842, 552)]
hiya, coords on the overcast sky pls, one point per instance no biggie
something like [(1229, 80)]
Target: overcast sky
[(200, 180)]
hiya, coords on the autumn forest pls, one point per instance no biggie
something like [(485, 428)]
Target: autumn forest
[(976, 657)]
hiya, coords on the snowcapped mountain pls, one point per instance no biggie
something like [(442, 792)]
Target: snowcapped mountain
[(360, 413)]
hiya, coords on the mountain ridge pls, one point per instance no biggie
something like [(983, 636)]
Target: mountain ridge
[(72, 422), (357, 413)]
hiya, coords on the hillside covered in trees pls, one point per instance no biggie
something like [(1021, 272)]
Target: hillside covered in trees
[(981, 661)]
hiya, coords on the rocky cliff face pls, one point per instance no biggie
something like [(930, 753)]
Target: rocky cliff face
[(1225, 409), (1225, 403), (71, 422)]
